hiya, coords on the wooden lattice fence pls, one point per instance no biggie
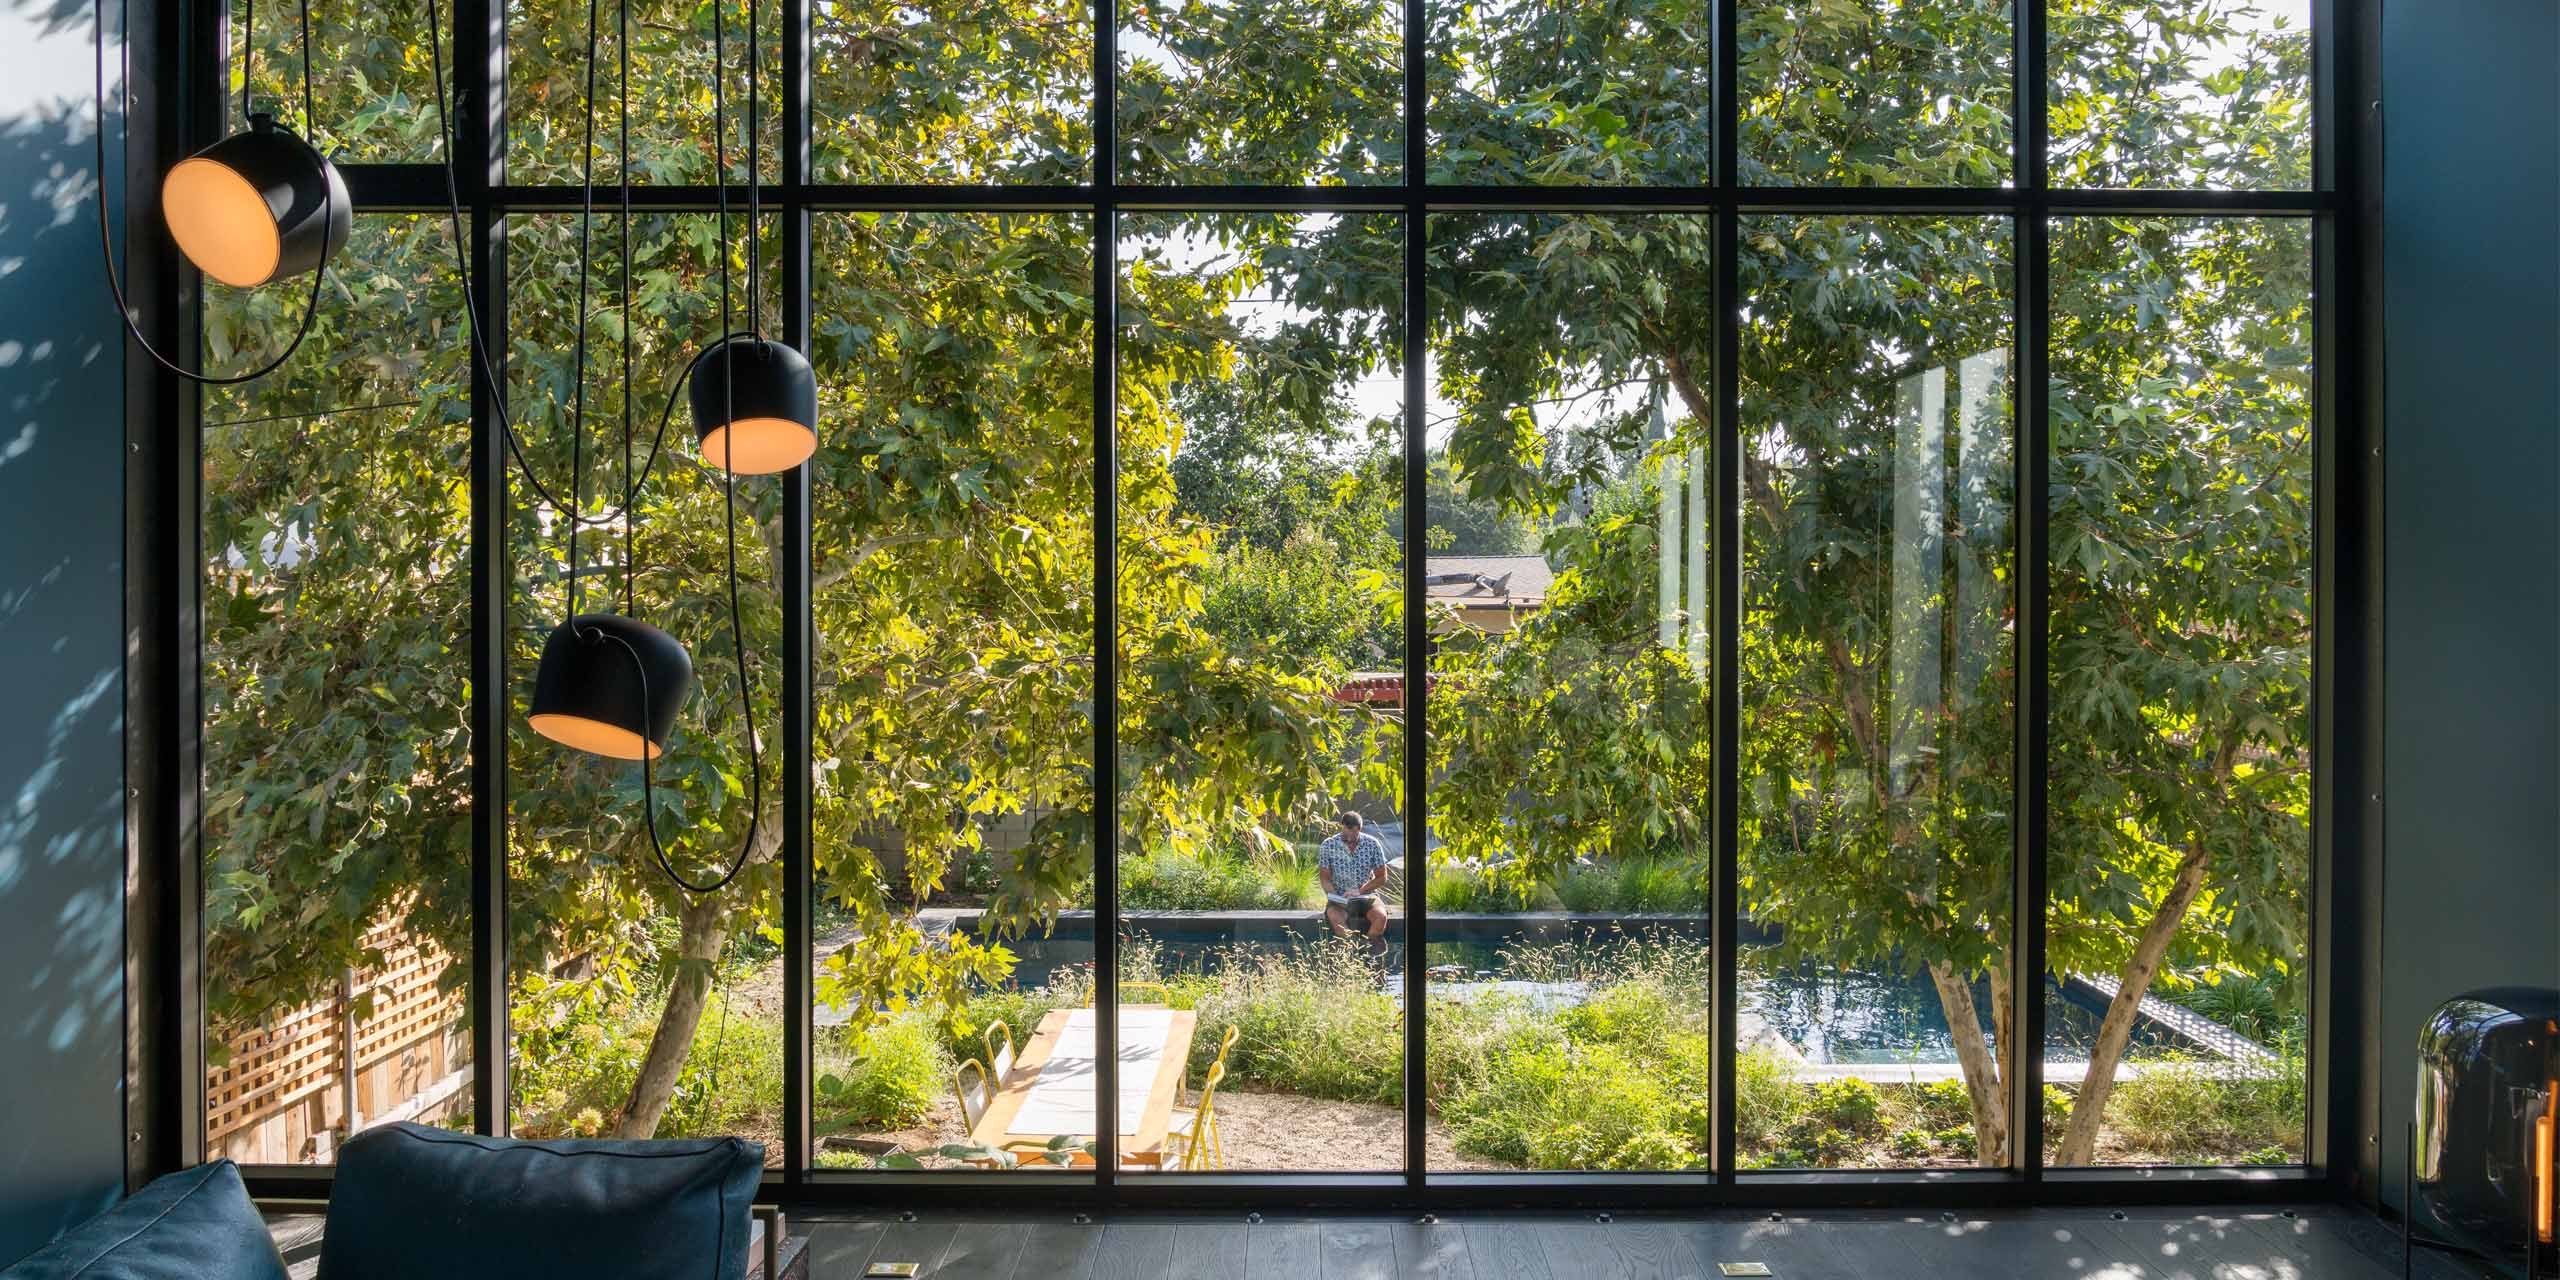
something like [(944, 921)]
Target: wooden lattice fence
[(295, 1084)]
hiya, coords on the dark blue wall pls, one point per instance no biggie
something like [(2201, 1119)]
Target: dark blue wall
[(2471, 298), (61, 611)]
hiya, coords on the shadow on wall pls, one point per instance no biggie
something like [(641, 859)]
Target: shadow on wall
[(61, 616)]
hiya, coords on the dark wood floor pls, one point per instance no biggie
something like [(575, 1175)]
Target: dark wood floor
[(2314, 1244)]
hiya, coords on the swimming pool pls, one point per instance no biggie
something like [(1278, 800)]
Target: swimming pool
[(1825, 1014)]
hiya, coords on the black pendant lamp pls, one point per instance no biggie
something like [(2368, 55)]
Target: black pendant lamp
[(755, 406), (611, 685), (251, 209), (608, 684), (257, 206), (755, 401)]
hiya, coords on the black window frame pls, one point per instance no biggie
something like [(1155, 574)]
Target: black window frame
[(165, 1095)]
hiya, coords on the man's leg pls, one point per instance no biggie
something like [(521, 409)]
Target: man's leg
[(1378, 922), (1333, 916)]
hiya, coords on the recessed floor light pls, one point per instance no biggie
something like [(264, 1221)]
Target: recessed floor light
[(892, 1271), (1744, 1269)]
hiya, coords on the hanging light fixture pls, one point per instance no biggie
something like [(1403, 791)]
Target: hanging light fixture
[(253, 208), (755, 405), (611, 685), (608, 684), (257, 206), (755, 401)]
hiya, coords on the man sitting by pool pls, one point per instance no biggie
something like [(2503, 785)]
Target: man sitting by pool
[(1353, 866)]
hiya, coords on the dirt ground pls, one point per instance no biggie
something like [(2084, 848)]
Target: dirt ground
[(1265, 1132)]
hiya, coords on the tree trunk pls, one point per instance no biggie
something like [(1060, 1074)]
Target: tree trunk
[(1982, 1074), (703, 931), (2004, 1034), (2080, 1139)]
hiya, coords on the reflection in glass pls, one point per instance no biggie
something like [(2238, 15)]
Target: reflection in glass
[(1261, 623), (1875, 93), (336, 774), (952, 547), (1607, 92), (1876, 691), (2180, 868), (2212, 94), (1570, 741), (638, 1010), (1283, 92)]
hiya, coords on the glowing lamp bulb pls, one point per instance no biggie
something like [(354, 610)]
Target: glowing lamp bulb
[(257, 206), (755, 407), (610, 685)]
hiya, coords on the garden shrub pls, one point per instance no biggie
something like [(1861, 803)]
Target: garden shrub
[(2191, 1110), (579, 1052), (891, 1078), (1215, 880), (1314, 1021), (1554, 1106), (1654, 1149), (1459, 890), (1768, 1103), (1942, 1104), (1637, 884), (1848, 1106), (2253, 1005)]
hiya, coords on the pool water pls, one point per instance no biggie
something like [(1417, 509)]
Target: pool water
[(1829, 1015)]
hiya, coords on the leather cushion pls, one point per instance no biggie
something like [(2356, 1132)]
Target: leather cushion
[(196, 1224), (411, 1201)]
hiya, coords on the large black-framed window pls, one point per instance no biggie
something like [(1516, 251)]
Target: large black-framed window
[(2037, 255)]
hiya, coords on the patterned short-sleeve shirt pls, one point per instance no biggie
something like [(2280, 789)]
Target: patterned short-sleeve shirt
[(1351, 865)]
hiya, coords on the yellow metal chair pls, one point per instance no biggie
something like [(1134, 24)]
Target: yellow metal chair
[(1194, 1133), (999, 1041), (973, 1094)]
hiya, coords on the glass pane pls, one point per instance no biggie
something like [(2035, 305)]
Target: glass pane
[(2180, 755), (1280, 92), (373, 83), (2194, 93), (1261, 464), (672, 43), (1877, 694), (1570, 734), (336, 720), (1876, 93), (952, 91), (638, 1009), (952, 521), (1608, 92)]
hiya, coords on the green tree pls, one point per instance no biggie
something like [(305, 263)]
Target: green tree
[(954, 508)]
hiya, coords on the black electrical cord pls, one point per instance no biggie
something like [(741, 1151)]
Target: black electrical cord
[(479, 348), (106, 237), (728, 484), (586, 265), (622, 176)]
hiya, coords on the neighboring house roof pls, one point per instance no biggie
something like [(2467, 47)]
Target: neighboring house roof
[(1487, 582)]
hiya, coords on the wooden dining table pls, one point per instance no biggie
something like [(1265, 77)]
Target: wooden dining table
[(1051, 1091)]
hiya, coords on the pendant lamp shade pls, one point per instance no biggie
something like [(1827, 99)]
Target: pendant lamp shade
[(610, 685), (755, 407), (257, 206)]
